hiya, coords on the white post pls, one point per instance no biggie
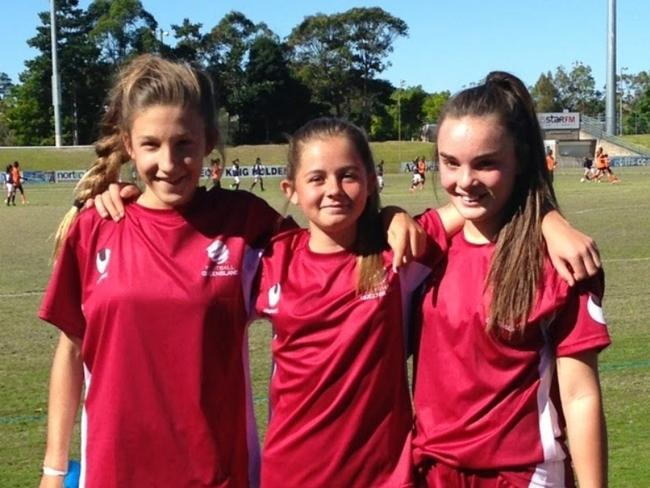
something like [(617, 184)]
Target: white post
[(56, 88), (610, 100)]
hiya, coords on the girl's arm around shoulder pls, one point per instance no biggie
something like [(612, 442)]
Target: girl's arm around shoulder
[(439, 225), (574, 255), (582, 407)]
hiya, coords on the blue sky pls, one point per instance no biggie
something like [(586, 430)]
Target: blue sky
[(451, 43)]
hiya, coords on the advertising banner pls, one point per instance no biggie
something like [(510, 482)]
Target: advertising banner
[(70, 176), (559, 120)]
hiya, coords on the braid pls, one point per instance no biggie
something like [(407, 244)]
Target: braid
[(111, 154)]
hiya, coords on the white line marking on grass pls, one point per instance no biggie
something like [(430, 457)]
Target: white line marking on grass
[(22, 294), (622, 260), (600, 209)]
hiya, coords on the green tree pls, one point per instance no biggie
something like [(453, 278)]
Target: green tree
[(433, 104), (5, 85), (273, 102), (227, 47), (191, 43), (638, 119), (577, 89), (370, 34), (545, 95), (322, 59), (122, 28), (339, 57)]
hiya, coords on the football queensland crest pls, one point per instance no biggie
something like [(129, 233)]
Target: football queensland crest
[(218, 261), (218, 252)]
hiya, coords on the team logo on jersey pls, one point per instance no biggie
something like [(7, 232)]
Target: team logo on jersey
[(101, 261), (218, 254), (595, 309), (273, 299)]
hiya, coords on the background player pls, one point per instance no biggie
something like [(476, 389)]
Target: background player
[(258, 174), (235, 175), (551, 164), (380, 175), (505, 342), (17, 180), (152, 310), (9, 186), (216, 171)]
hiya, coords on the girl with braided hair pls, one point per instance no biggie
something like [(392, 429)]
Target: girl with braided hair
[(152, 310)]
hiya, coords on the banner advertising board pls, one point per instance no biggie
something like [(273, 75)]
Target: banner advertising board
[(559, 120), (629, 161), (69, 176), (268, 171)]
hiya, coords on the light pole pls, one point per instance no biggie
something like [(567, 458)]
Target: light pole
[(610, 97), (56, 87), (620, 103)]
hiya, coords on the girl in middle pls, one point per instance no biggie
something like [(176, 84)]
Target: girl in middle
[(340, 412)]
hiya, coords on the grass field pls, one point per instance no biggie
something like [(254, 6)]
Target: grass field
[(618, 216), (639, 139)]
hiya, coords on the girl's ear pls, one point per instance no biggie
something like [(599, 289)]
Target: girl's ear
[(287, 188), (126, 142)]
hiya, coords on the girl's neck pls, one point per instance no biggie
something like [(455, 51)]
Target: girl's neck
[(328, 242), (481, 232)]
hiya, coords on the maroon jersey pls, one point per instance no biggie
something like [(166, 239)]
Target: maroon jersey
[(160, 303), (340, 406), (486, 404)]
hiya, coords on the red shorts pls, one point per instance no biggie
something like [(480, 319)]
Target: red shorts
[(438, 475)]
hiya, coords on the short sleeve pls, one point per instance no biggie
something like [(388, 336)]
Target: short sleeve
[(61, 304), (581, 325), (437, 240), (273, 270)]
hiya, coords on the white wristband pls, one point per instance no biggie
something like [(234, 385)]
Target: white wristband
[(48, 471)]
